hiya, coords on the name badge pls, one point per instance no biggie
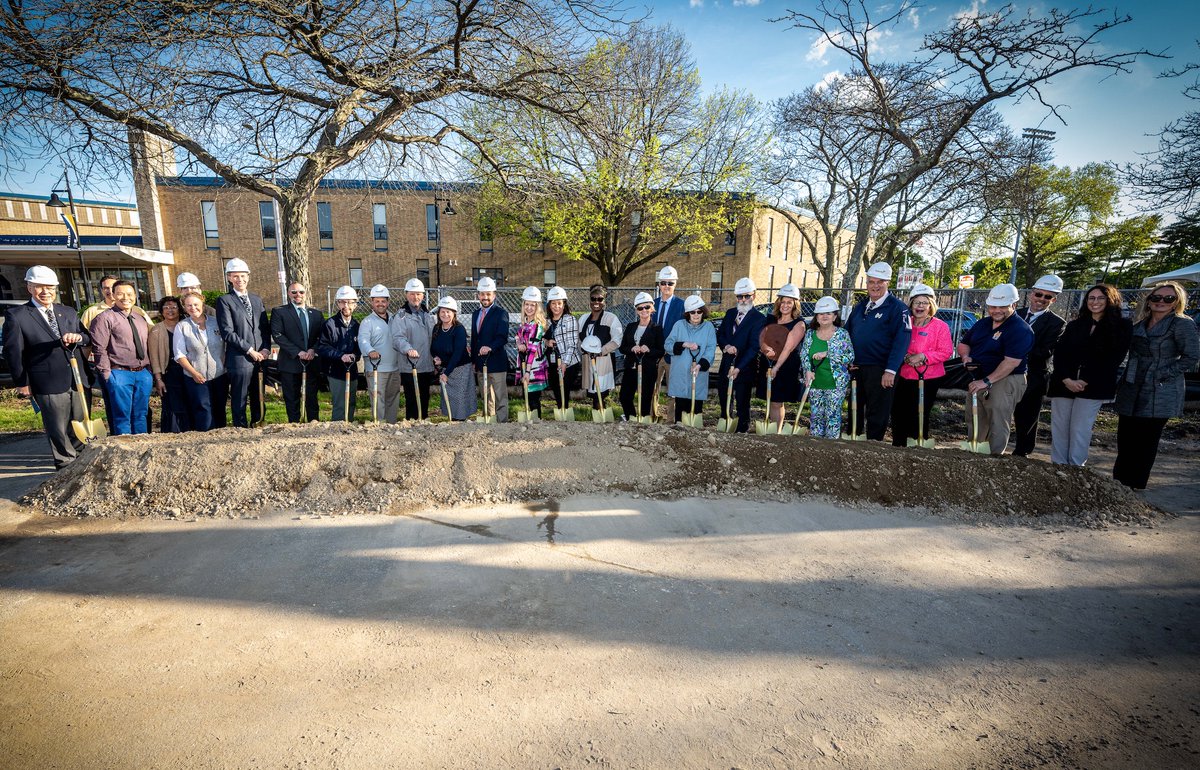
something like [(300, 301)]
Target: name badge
[(923, 334), (996, 336)]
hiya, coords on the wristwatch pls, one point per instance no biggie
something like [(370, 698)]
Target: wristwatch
[(987, 382)]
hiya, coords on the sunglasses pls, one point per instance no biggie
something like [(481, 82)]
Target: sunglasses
[(695, 312), (645, 307), (1163, 298), (666, 283), (1044, 295), (743, 296), (597, 299), (295, 292)]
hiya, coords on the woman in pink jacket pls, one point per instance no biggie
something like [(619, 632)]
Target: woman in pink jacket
[(930, 348)]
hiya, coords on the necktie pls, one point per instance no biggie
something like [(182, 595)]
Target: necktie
[(870, 307), (138, 347), (300, 311), (246, 302), (50, 319), (482, 313)]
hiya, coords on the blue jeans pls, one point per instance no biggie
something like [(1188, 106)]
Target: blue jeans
[(129, 396)]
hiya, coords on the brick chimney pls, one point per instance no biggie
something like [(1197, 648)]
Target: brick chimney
[(151, 158)]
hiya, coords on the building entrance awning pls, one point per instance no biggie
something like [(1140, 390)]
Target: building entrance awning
[(52, 251)]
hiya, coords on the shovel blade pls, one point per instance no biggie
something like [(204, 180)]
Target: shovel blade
[(764, 428), (99, 429), (692, 419), (785, 430), (526, 417), (977, 447), (926, 443), (564, 415), (800, 431), (80, 432)]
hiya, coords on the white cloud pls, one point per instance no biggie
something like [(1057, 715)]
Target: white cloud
[(747, 2), (827, 80), (696, 3), (820, 47), (915, 18)]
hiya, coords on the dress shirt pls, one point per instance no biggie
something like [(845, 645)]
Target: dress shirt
[(113, 344)]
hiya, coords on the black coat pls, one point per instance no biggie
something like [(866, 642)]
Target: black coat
[(1093, 356), (652, 338), (288, 334), (1047, 328), (35, 356), (241, 333)]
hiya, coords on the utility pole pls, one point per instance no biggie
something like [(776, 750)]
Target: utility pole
[(1035, 136)]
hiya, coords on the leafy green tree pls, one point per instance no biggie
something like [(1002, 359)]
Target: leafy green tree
[(989, 271), (1103, 257), (1178, 246)]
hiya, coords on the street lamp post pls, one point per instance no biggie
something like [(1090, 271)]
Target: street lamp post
[(448, 211), (57, 203), (1034, 135)]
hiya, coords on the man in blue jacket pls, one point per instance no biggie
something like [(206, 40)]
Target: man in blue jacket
[(489, 335), (737, 339), (667, 310), (880, 329), (242, 323)]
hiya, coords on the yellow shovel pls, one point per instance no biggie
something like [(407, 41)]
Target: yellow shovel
[(346, 409), (86, 430), (417, 393), (563, 412), (600, 413), (921, 440), (375, 390), (797, 428), (765, 427), (972, 444), (693, 419), (648, 418), (728, 423), (446, 401), (526, 416), (262, 396), (487, 416)]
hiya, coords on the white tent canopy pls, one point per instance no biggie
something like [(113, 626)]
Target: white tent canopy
[(1189, 273)]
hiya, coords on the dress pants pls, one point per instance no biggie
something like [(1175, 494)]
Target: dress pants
[(58, 409), (420, 390), (387, 392), (176, 408), (1028, 412), (337, 397), (207, 400), (1137, 449), (496, 391), (1071, 422), (244, 388), (290, 383), (629, 386), (743, 389), (874, 402), (996, 411), (570, 379)]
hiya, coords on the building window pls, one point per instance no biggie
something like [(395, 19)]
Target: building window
[(537, 227), (356, 271), (789, 280), (119, 222), (804, 278), (715, 281), (103, 216), (266, 222), (770, 234), (208, 213), (771, 278), (325, 226), (731, 238), (635, 227), (787, 239), (423, 271), (495, 273), (379, 220), (549, 272), (431, 222)]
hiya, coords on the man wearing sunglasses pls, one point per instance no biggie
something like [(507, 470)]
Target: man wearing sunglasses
[(667, 310), (1047, 328), (295, 328), (737, 339)]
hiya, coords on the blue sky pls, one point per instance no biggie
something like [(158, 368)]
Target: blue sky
[(735, 44), (1107, 119)]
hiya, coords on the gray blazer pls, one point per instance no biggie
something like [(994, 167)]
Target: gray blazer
[(1152, 385)]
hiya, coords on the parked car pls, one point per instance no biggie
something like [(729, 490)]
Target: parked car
[(964, 319)]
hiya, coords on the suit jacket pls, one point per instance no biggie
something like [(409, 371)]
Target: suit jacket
[(654, 338), (494, 335), (35, 356), (1047, 328), (743, 337), (242, 334), (674, 313), (287, 333)]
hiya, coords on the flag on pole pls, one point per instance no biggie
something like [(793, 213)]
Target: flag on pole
[(72, 230)]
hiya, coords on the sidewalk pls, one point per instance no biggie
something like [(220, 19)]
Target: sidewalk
[(25, 462)]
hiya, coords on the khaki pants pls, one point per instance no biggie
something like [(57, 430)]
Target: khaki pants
[(498, 393), (664, 368), (996, 412)]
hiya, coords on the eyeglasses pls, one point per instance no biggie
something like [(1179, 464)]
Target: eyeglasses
[(666, 283), (295, 292), (645, 307), (1044, 295), (743, 296), (1163, 298)]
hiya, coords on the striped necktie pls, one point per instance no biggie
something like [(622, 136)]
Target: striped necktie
[(50, 319)]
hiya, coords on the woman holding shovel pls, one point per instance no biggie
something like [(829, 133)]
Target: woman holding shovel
[(693, 344), (825, 356), (452, 362), (603, 325), (785, 370), (168, 376), (562, 351), (531, 353), (928, 349), (642, 344), (338, 348)]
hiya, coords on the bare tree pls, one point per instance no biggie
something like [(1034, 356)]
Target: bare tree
[(274, 96), (646, 167), (921, 106), (1170, 176)]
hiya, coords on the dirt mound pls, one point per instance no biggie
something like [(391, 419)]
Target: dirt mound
[(336, 468)]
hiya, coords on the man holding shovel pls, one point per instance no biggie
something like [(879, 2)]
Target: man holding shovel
[(737, 338), (382, 358), (412, 331), (489, 335), (295, 328), (338, 347), (40, 339), (667, 310)]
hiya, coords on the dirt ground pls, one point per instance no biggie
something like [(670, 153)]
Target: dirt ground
[(612, 596)]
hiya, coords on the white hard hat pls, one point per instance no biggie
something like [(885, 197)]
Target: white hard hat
[(1049, 283), (485, 284), (414, 284), (642, 298), (694, 302), (448, 302), (379, 290), (880, 270), (789, 290), (591, 344), (186, 281), (41, 274), (236, 266), (346, 292), (921, 290), (556, 292), (531, 294), (1002, 295), (827, 305), (744, 286), (668, 273)]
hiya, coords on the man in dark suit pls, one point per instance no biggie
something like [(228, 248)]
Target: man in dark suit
[(1047, 328), (667, 310), (489, 335), (242, 323), (39, 341), (295, 329), (737, 337)]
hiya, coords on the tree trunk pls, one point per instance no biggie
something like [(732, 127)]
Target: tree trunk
[(293, 210)]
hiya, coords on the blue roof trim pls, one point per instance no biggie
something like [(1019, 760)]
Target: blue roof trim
[(61, 240), (78, 201), (329, 184)]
